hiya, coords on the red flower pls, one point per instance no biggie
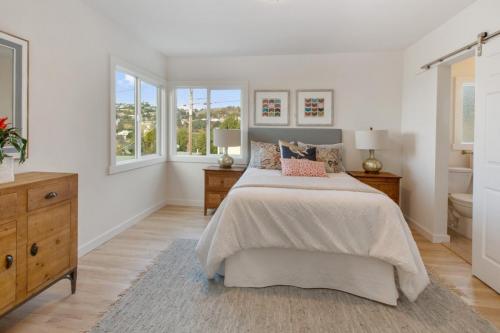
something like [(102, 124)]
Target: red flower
[(3, 123)]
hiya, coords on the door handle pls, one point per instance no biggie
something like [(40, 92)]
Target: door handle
[(9, 260), (34, 249)]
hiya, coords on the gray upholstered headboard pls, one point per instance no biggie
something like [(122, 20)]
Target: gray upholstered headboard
[(306, 135)]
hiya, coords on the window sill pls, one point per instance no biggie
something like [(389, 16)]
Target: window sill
[(127, 166), (203, 159)]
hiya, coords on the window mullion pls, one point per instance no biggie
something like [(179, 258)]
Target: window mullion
[(159, 121), (208, 135), (138, 119)]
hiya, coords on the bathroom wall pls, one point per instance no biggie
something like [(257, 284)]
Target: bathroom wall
[(463, 69)]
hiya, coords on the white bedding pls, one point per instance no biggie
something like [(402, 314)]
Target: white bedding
[(338, 214)]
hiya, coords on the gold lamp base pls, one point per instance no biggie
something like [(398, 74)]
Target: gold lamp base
[(371, 164), (225, 161)]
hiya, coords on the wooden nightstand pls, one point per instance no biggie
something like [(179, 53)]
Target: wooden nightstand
[(385, 181), (218, 182)]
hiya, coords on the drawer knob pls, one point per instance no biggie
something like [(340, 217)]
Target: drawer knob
[(34, 249), (9, 260), (50, 195)]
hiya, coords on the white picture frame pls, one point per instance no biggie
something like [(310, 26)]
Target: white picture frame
[(314, 107), (271, 108), (20, 87)]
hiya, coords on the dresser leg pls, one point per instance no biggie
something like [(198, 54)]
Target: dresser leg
[(72, 277)]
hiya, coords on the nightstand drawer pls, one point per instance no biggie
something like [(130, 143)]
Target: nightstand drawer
[(391, 189), (221, 181), (213, 199), (384, 181)]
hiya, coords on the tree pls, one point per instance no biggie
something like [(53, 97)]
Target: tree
[(232, 121), (182, 138)]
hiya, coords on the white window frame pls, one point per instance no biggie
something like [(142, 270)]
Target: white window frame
[(142, 76), (460, 83), (224, 85)]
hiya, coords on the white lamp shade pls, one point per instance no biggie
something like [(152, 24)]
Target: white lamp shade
[(372, 139), (227, 137)]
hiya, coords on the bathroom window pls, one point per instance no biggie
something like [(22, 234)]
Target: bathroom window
[(464, 114)]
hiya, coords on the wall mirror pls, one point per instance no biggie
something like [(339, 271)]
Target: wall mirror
[(14, 82)]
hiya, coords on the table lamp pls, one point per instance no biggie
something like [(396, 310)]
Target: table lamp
[(226, 138), (371, 140)]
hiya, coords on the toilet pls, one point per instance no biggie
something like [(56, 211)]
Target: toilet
[(460, 200)]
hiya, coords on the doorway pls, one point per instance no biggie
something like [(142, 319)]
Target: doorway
[(460, 76)]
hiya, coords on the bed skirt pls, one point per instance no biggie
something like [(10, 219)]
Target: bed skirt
[(362, 276)]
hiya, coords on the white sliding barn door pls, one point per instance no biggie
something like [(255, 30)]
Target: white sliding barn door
[(486, 214)]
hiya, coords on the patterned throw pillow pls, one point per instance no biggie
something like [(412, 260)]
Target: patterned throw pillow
[(302, 167), (331, 155), (264, 155), (291, 150)]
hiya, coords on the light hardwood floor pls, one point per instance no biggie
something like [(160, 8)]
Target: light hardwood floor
[(460, 245), (109, 270)]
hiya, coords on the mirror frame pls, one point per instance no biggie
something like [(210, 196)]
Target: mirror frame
[(21, 101)]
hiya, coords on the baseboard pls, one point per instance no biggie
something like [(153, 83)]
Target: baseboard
[(434, 238), (182, 202), (101, 239)]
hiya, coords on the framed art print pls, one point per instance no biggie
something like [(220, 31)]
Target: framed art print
[(271, 107), (314, 107)]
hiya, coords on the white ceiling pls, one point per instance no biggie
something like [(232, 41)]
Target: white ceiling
[(262, 27)]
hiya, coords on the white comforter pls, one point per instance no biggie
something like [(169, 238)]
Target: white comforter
[(338, 214)]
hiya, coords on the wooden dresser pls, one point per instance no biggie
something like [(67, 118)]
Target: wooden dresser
[(218, 182), (38, 235), (384, 181)]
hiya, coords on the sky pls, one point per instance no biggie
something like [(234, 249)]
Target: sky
[(125, 86), (218, 98)]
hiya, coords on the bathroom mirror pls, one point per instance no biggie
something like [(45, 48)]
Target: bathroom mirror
[(14, 82)]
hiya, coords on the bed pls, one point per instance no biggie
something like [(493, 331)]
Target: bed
[(312, 232)]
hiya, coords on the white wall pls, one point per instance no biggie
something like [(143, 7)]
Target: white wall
[(70, 47), (367, 92), (422, 202)]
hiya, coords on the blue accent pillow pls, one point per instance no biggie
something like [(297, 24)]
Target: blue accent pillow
[(308, 153)]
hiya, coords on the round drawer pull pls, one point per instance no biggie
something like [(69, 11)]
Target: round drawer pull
[(9, 260), (34, 249), (50, 195)]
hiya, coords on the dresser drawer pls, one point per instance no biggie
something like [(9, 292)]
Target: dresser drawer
[(222, 181), (48, 194), (8, 206), (8, 264)]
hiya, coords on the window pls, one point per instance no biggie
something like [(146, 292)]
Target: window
[(468, 96), (464, 114), (136, 119), (198, 110)]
